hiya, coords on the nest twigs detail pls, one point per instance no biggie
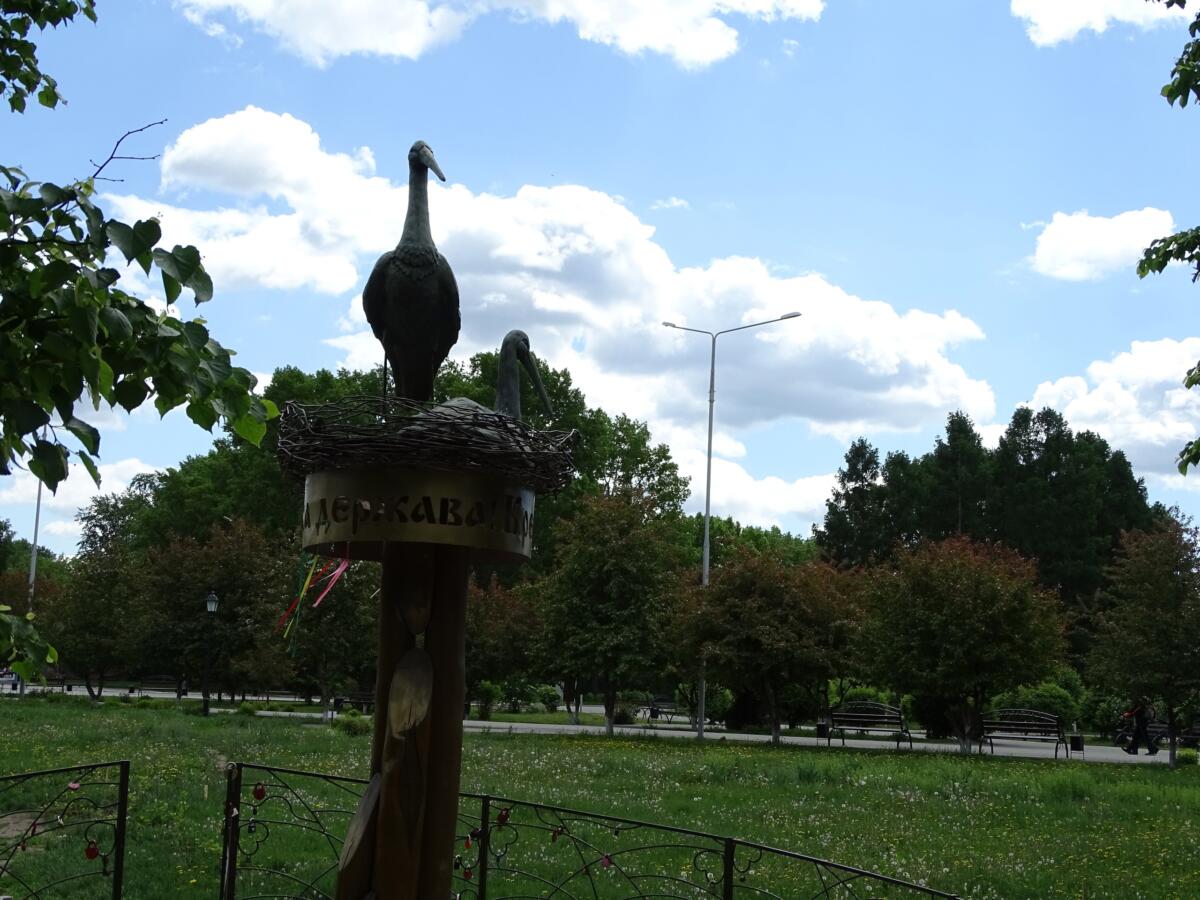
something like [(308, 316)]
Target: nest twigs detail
[(363, 432)]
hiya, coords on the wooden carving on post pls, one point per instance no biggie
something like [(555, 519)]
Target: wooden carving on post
[(425, 490)]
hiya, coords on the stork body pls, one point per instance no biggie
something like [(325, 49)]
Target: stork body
[(411, 298)]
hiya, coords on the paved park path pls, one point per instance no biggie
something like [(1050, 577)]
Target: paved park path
[(1021, 749)]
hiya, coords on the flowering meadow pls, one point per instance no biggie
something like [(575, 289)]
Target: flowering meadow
[(978, 826)]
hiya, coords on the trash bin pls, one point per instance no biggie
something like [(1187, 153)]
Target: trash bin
[(1076, 742), (822, 729)]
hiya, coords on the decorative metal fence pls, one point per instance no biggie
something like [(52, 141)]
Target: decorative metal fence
[(63, 830), (284, 828)]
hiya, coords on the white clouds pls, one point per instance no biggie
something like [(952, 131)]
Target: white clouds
[(694, 33), (1081, 247), (1050, 22), (1136, 401), (583, 275), (78, 490), (671, 203)]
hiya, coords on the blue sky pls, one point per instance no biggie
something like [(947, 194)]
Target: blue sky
[(954, 196)]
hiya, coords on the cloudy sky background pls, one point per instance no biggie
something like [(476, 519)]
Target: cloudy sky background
[(953, 195)]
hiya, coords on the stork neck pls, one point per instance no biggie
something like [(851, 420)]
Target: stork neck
[(416, 220), (508, 385)]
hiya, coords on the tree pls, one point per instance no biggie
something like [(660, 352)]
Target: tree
[(6, 545), (958, 620), (1150, 640), (98, 621), (855, 531), (68, 333), (1183, 246), (605, 605), (766, 626), (958, 481)]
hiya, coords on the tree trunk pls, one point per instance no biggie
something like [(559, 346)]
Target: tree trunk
[(578, 705), (960, 716), (92, 694), (569, 702), (773, 712), (610, 710), (1171, 736)]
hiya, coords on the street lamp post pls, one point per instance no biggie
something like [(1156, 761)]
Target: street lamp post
[(712, 396), (210, 604)]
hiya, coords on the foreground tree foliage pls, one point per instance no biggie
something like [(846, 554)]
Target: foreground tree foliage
[(70, 338), (1183, 246), (960, 621), (1149, 644)]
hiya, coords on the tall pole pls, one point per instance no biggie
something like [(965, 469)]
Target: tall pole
[(701, 685), (33, 555)]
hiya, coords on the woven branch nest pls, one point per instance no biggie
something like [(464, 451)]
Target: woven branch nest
[(365, 432)]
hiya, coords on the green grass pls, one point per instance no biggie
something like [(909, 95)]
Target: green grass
[(979, 826)]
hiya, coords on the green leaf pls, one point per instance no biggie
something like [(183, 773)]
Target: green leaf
[(48, 97), (52, 194), (202, 414), (171, 287), (90, 465), (136, 243), (88, 435), (183, 264), (115, 324), (49, 463), (23, 415), (130, 393), (250, 428)]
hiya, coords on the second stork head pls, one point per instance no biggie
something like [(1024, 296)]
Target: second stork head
[(508, 381)]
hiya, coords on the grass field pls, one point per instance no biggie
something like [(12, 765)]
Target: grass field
[(982, 827)]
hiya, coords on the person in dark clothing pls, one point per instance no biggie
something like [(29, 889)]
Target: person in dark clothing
[(1140, 713)]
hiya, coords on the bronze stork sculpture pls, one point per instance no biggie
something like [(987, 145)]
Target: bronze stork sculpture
[(514, 351), (411, 298)]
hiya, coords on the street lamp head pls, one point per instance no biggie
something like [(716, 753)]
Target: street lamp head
[(791, 315), (210, 602), (670, 324)]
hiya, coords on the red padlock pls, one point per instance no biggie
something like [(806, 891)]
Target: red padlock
[(260, 791), (91, 851)]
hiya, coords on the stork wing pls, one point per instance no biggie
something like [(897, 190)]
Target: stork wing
[(375, 296), (450, 320)]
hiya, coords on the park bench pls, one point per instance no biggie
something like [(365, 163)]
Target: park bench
[(661, 708), (1023, 725), (867, 716), (363, 701)]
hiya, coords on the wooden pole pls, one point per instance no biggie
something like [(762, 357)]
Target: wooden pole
[(445, 642)]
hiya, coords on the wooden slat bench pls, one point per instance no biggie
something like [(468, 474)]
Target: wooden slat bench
[(1023, 725), (661, 708), (867, 716)]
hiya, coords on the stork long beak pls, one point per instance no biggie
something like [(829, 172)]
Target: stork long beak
[(530, 365), (431, 163)]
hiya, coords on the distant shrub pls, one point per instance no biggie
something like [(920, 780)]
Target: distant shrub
[(547, 695), (352, 724), (1102, 712), (1187, 757), (488, 694), (517, 692), (1046, 697), (247, 709)]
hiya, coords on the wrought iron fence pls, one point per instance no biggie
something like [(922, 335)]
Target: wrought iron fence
[(62, 829), (284, 828)]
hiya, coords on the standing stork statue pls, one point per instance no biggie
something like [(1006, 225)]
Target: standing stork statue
[(411, 298)]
